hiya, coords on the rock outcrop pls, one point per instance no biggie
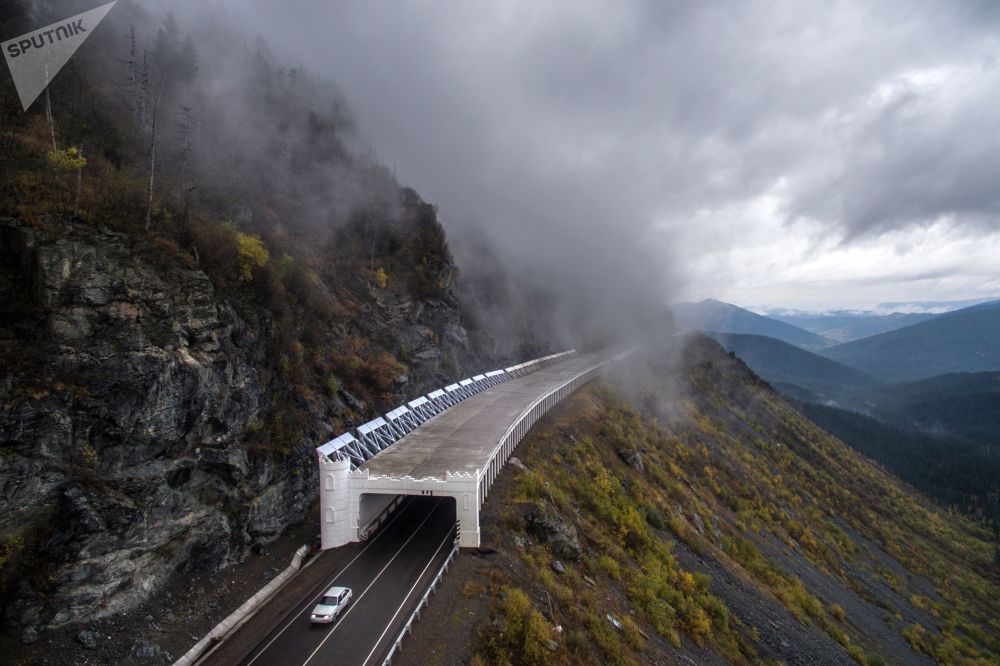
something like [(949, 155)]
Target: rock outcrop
[(130, 395), (548, 527)]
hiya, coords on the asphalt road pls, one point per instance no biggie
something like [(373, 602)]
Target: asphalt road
[(388, 577)]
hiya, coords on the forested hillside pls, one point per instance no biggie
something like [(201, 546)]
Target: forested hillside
[(960, 341), (690, 515)]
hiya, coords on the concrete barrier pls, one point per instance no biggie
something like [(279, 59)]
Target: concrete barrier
[(244, 612)]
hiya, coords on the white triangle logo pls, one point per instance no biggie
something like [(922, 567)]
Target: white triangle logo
[(36, 57)]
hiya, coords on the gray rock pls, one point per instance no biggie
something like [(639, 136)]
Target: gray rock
[(558, 567), (697, 521), (88, 639), (29, 635), (147, 650), (155, 386), (551, 529), (633, 459)]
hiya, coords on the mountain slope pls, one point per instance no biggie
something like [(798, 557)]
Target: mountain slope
[(962, 341), (966, 405), (715, 525), (716, 316), (782, 363), (953, 469), (847, 326)]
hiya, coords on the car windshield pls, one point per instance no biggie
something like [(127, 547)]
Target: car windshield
[(330, 601)]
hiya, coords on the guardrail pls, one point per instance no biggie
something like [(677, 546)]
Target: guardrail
[(397, 645), (367, 530), (369, 439), (523, 424)]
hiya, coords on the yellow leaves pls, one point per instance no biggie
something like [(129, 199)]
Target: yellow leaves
[(10, 547), (252, 254), (603, 482), (686, 582), (68, 159), (381, 278), (698, 625), (837, 611), (527, 631)]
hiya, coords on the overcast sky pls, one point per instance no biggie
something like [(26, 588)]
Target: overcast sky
[(763, 153)]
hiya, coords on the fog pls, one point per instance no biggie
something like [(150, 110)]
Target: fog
[(616, 157), (690, 149)]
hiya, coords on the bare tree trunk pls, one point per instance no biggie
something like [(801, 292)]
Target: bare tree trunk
[(152, 165), (188, 126), (48, 116), (79, 187), (186, 219), (143, 91)]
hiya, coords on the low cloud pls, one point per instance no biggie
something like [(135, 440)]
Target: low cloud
[(616, 147)]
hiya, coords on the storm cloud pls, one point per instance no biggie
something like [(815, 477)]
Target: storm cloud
[(678, 149)]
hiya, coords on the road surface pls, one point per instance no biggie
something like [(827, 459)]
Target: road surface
[(464, 437), (388, 577)]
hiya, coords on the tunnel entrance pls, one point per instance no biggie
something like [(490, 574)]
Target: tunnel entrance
[(377, 509)]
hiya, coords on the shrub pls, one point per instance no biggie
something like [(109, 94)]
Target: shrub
[(837, 611), (9, 548), (610, 566), (527, 631), (252, 254), (68, 159), (472, 589)]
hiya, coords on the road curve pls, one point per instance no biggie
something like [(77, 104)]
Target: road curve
[(388, 577)]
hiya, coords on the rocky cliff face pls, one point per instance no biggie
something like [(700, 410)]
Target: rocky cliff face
[(130, 395)]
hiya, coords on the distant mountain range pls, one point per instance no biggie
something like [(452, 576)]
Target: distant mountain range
[(962, 341), (844, 326), (939, 376), (718, 317), (783, 364), (965, 341)]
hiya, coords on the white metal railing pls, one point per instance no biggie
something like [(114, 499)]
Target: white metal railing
[(512, 437), (397, 645), (369, 439)]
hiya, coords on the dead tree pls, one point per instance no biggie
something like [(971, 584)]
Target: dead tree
[(152, 162), (143, 90), (188, 126), (48, 116), (79, 184), (133, 92)]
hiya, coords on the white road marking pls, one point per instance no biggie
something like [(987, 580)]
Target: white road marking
[(297, 614), (417, 582), (375, 579)]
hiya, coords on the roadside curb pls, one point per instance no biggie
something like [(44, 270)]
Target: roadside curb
[(238, 617)]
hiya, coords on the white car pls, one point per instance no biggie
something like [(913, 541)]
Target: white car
[(330, 606)]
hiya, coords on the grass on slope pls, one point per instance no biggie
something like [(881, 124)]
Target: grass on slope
[(746, 482)]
